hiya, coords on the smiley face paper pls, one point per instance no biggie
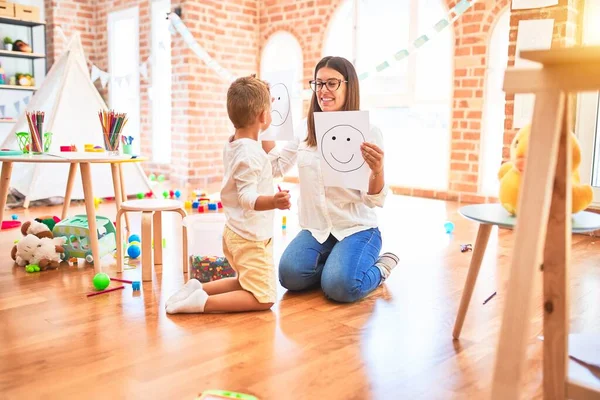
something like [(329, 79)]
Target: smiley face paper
[(282, 127), (339, 137)]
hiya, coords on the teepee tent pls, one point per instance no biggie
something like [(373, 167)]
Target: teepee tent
[(71, 103)]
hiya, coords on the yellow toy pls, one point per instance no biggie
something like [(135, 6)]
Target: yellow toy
[(510, 174)]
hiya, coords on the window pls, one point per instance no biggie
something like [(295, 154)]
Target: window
[(588, 113), (161, 82), (492, 137), (124, 62), (282, 52), (411, 100)]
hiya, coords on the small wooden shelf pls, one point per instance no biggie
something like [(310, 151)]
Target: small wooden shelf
[(20, 54), (7, 121), (15, 87), (20, 22)]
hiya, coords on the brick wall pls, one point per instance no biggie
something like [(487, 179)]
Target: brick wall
[(234, 33)]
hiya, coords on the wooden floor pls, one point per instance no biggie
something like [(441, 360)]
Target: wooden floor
[(396, 344)]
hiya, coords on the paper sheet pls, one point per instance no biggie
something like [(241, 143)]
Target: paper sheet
[(527, 4), (282, 127), (339, 136), (533, 35)]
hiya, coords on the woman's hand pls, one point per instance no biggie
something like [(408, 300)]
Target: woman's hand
[(373, 155)]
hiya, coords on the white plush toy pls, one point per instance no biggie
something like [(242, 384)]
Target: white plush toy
[(24, 251), (44, 252), (47, 254)]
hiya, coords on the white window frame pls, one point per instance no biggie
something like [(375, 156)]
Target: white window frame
[(587, 126)]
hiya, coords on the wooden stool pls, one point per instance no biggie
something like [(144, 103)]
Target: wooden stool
[(488, 215), (151, 210)]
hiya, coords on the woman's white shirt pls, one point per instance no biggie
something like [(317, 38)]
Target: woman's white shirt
[(326, 210)]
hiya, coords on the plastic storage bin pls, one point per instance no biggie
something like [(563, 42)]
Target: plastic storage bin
[(205, 247)]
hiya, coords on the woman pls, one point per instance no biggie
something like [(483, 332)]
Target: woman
[(340, 242)]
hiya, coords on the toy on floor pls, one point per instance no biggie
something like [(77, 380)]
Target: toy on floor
[(44, 252), (10, 225), (466, 247), (133, 248), (76, 232), (48, 220), (135, 285), (449, 227), (105, 291), (101, 281), (14, 217), (224, 395), (510, 174)]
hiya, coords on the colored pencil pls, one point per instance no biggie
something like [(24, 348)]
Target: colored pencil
[(105, 291), (120, 280)]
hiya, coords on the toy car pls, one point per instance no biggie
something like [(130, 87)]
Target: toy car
[(77, 234)]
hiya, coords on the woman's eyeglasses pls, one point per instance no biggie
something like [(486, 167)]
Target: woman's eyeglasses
[(332, 84)]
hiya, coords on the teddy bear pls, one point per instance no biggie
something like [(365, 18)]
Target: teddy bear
[(44, 252), (510, 174), (33, 228), (36, 228)]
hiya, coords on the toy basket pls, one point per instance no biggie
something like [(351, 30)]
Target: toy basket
[(205, 246)]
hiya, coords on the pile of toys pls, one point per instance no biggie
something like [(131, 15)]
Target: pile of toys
[(202, 202)]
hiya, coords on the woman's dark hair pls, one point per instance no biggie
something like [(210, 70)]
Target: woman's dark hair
[(352, 102)]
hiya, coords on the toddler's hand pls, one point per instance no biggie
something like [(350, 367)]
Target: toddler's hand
[(281, 200)]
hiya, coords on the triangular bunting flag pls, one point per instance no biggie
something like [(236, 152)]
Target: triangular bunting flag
[(18, 106), (95, 73), (26, 100), (104, 78), (2, 111)]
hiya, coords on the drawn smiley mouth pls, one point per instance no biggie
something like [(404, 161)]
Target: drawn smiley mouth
[(342, 162)]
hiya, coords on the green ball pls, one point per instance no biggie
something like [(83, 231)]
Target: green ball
[(101, 281), (140, 195), (152, 177), (36, 268), (29, 269), (161, 178)]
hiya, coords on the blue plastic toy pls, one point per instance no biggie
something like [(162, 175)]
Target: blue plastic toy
[(177, 194), (15, 217), (134, 251), (212, 206), (135, 285), (449, 227), (195, 204), (134, 238)]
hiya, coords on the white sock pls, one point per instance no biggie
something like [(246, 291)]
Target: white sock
[(194, 303), (386, 263), (190, 287)]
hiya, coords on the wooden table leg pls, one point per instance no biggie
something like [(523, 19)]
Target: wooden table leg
[(146, 246), (557, 254), (184, 264), (116, 177), (4, 186), (124, 195), (530, 231), (69, 191), (483, 235), (86, 180), (119, 240), (157, 230)]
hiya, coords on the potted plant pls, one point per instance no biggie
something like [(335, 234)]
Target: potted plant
[(8, 43)]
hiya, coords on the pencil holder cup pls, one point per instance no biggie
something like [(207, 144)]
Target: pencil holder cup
[(128, 149), (23, 139), (110, 149)]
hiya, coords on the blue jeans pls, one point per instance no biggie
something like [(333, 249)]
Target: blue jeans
[(345, 269)]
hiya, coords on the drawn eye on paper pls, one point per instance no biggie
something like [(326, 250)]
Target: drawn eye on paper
[(340, 148), (280, 108)]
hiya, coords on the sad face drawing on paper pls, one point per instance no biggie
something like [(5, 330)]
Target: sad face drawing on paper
[(280, 108), (340, 147)]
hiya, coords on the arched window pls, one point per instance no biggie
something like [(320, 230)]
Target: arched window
[(492, 137), (410, 101)]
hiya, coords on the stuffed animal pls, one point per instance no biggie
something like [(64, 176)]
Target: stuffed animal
[(510, 175), (44, 251), (36, 228)]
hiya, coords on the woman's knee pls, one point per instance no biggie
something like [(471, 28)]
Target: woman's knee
[(339, 288)]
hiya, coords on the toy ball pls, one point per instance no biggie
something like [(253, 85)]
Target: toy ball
[(101, 281), (140, 196), (161, 178), (188, 204), (195, 204), (152, 177), (134, 238), (15, 217), (177, 194), (165, 194), (134, 251), (449, 227)]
